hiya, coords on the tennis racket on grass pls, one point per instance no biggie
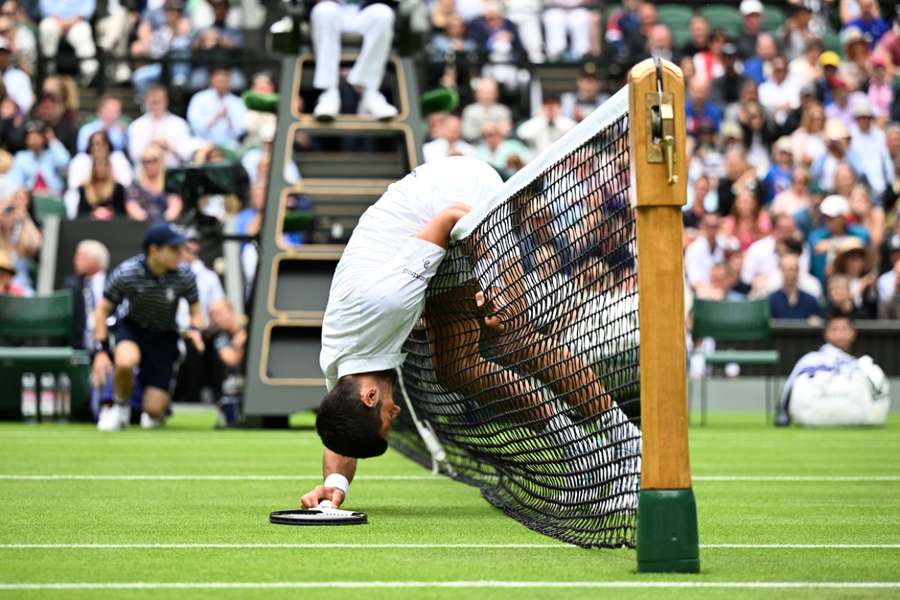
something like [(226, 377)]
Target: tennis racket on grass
[(323, 514)]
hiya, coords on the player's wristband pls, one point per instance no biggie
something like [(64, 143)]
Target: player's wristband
[(336, 480), (102, 346)]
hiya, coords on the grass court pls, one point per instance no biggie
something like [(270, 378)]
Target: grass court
[(182, 512)]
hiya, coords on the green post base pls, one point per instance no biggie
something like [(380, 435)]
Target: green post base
[(667, 532)]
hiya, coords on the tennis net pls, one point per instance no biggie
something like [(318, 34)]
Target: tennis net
[(538, 405)]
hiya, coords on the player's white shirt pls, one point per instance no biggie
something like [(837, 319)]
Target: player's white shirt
[(378, 289)]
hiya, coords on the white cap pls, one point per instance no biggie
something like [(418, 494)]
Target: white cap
[(835, 206), (749, 7)]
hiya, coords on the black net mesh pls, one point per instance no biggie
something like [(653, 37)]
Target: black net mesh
[(533, 389)]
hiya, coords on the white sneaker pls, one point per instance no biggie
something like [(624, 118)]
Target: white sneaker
[(148, 422), (328, 105), (374, 105), (122, 73), (113, 417)]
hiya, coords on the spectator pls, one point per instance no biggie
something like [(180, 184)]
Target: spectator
[(747, 222), (757, 135), (795, 33), (779, 94), (82, 166), (708, 62), (699, 31), (796, 198), (497, 38), (486, 108), (781, 172), (707, 250), (146, 199), (203, 15), (230, 338), (852, 261), (809, 139), (805, 69), (881, 90), (568, 25), (216, 115), (547, 127), (213, 40), (16, 81), (888, 284), (69, 19), (449, 141), (840, 298), (870, 142), (376, 23), (832, 387), (868, 21), (790, 302), (889, 46), (113, 32), (220, 205), (91, 262), (8, 287), (719, 286), (843, 102), (622, 24), (20, 238), (57, 107), (758, 66), (825, 241), (109, 120), (752, 11), (854, 70), (864, 213), (526, 16), (586, 97), (20, 41), (209, 286), (506, 155), (453, 41), (837, 152), (637, 38), (101, 197), (39, 167), (157, 38), (738, 175), (260, 125), (158, 126), (700, 109), (726, 88)]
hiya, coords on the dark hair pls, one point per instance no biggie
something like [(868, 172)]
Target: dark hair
[(346, 425), (102, 135), (833, 314), (792, 246)]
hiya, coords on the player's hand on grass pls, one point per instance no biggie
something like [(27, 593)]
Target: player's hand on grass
[(319, 493), (101, 370)]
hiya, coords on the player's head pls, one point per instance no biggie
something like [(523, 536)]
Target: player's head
[(355, 417), (163, 244), (839, 330)]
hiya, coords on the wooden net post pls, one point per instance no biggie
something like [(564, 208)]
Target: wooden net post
[(667, 515)]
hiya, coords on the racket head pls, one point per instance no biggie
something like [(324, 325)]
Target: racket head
[(319, 516)]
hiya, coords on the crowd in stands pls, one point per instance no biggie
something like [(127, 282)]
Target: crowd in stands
[(794, 130), (794, 147)]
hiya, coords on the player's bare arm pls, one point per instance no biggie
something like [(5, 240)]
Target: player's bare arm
[(332, 464)]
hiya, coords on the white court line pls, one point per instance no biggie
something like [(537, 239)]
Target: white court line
[(176, 546), (246, 585), (251, 477)]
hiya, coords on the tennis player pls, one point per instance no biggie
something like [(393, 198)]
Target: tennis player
[(377, 295)]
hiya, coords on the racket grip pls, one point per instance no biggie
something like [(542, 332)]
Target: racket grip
[(325, 504)]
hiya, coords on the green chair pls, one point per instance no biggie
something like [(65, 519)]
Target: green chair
[(832, 41), (39, 317), (724, 17), (674, 16), (680, 36), (773, 17), (45, 206), (734, 321)]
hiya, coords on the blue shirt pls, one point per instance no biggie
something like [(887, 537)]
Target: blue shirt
[(202, 116), (51, 163), (753, 68), (874, 28), (819, 261), (117, 135), (780, 306), (709, 114), (777, 180), (67, 9)]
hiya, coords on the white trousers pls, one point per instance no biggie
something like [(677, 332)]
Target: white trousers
[(113, 32), (376, 24), (529, 24), (576, 22), (79, 36)]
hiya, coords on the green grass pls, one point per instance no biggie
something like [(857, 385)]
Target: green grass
[(424, 511)]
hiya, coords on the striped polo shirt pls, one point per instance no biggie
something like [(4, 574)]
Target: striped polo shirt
[(152, 300)]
